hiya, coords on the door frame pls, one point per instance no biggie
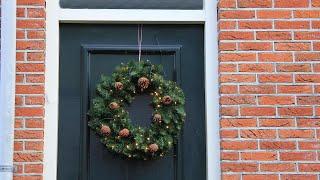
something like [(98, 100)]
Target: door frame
[(207, 16)]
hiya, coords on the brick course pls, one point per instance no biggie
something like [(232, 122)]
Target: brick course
[(269, 75)]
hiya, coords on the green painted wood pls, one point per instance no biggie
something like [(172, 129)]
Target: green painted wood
[(86, 51)]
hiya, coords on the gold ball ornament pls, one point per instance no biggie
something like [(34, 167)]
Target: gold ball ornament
[(105, 130), (124, 132), (114, 106), (153, 147), (118, 86), (143, 83), (166, 100), (157, 118)]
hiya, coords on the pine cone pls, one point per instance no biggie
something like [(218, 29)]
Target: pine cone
[(143, 83), (124, 132), (153, 147), (105, 130), (118, 86), (114, 106), (166, 100), (157, 118)]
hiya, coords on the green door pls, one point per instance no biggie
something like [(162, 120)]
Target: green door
[(86, 52)]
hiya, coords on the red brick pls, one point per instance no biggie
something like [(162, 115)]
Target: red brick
[(28, 67), (274, 14), (227, 25), (297, 156), (295, 111), (257, 89), (227, 68), (308, 78), (35, 56), (313, 145), (228, 78), (260, 177), (238, 145), (33, 168), (236, 57), (259, 156), (18, 123), (235, 100), (227, 4), (294, 67), (243, 122), (28, 134), (254, 4), (307, 35), (228, 89), (28, 157), (31, 2), (36, 13), (29, 89), (315, 3), (316, 67), (231, 177), (279, 167), (36, 34), (308, 122), (236, 35), (310, 167), (255, 46), (276, 100), (227, 46), (308, 100), (239, 167), (255, 24), (292, 46), (30, 45), (274, 122), (291, 3), (258, 134), (260, 67), (228, 134), (34, 123), (20, 12), (20, 34), (306, 14), (295, 89), (20, 56), (229, 156), (35, 78), (18, 146), (316, 24), (33, 177), (277, 145), (30, 23), (19, 78), (275, 57), (307, 57), (292, 24), (229, 111), (299, 177), (316, 46), (236, 14), (273, 35), (24, 111), (257, 111), (18, 100), (296, 133), (34, 100), (34, 145), (275, 78)]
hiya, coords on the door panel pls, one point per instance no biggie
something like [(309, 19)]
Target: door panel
[(86, 52)]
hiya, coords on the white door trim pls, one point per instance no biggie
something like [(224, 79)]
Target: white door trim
[(7, 86), (207, 16)]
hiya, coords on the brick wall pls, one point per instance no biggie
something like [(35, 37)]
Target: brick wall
[(28, 145), (269, 77)]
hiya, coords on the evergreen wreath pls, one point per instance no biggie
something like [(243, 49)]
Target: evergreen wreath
[(110, 119)]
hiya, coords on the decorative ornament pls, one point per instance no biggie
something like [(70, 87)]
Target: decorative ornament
[(114, 106), (166, 100), (124, 132), (118, 86), (105, 130), (143, 83), (157, 118), (153, 148), (117, 91)]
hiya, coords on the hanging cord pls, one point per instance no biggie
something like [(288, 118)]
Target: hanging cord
[(140, 26)]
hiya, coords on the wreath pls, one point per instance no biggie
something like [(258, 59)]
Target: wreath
[(110, 119)]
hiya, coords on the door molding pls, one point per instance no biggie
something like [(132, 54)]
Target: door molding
[(206, 16)]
